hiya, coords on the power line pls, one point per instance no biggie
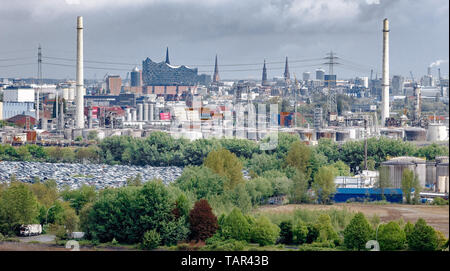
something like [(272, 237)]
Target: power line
[(16, 58), (191, 65), (12, 65)]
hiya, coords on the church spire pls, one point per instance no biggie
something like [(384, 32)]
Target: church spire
[(216, 77), (167, 55), (264, 74), (286, 70)]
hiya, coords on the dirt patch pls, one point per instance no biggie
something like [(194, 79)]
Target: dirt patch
[(435, 216)]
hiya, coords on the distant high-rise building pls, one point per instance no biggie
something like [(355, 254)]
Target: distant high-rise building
[(216, 77), (113, 84), (287, 76), (136, 77), (306, 76), (264, 75), (167, 56), (397, 85), (320, 74)]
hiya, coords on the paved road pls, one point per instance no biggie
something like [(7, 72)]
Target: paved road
[(43, 238)]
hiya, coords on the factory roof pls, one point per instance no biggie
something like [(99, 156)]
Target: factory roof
[(405, 160)]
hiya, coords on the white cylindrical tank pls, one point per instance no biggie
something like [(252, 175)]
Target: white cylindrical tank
[(437, 132), (133, 114), (140, 112), (145, 111), (152, 112)]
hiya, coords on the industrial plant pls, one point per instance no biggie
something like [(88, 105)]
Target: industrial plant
[(161, 96)]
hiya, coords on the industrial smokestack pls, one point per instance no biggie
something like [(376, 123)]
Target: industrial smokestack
[(385, 80), (79, 118)]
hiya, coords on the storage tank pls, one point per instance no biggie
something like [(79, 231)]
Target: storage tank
[(397, 165), (437, 132), (442, 172)]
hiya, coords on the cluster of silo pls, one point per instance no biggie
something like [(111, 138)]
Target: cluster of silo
[(397, 165)]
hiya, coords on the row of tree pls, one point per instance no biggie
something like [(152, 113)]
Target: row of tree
[(160, 149)]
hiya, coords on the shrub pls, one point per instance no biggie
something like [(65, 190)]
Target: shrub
[(423, 237), (358, 232), (391, 236), (300, 233), (326, 230), (286, 234), (440, 201), (151, 240), (203, 223), (225, 245), (264, 232), (313, 233), (235, 226), (442, 241)]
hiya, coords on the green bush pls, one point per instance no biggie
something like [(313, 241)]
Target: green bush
[(440, 201), (151, 240), (235, 226), (300, 233), (264, 232), (391, 236), (423, 237), (286, 234), (357, 233), (224, 245)]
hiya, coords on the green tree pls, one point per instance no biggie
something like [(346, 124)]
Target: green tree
[(264, 232), (431, 151), (384, 180), (260, 163), (300, 232), (328, 148), (357, 232), (136, 181), (126, 213), (299, 192), (391, 236), (226, 164), (202, 181), (326, 230), (286, 235), (150, 240), (298, 156), (323, 184), (410, 181), (235, 226), (18, 206), (341, 168), (423, 237), (79, 197)]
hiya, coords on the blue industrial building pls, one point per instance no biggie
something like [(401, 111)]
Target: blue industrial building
[(394, 195)]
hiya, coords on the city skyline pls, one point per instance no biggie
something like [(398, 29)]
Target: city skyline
[(238, 33)]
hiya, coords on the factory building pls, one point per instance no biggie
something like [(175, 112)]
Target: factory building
[(113, 84), (18, 101)]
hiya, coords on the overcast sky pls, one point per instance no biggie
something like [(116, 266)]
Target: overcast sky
[(238, 31)]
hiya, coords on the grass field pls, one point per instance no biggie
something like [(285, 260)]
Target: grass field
[(435, 216)]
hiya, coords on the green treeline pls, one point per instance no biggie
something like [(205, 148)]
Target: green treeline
[(160, 149)]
